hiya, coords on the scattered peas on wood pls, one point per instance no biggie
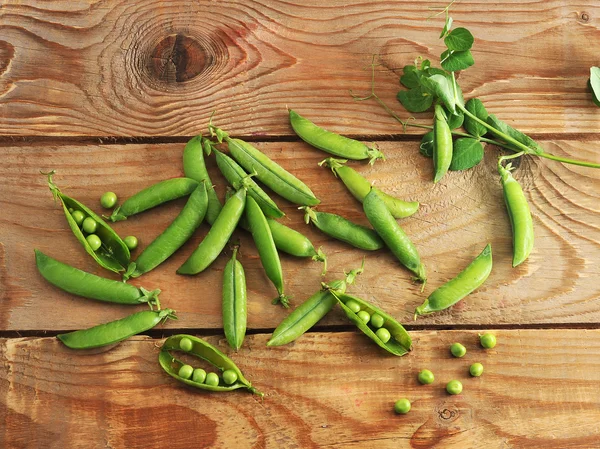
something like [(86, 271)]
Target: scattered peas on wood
[(476, 369), (488, 341), (454, 387), (402, 406), (425, 377), (458, 350)]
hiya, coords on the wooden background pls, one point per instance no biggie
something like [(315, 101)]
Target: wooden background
[(108, 92)]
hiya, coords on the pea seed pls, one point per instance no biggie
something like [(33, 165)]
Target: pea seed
[(476, 369), (383, 334), (402, 406), (488, 341), (199, 375), (108, 200), (131, 241), (94, 241), (229, 376), (353, 305), (364, 316), (454, 387), (89, 225), (426, 377), (377, 321), (212, 379), (78, 216), (185, 344), (185, 371), (458, 350)]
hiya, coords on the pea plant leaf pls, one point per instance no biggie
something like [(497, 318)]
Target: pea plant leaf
[(515, 134), (459, 39), (426, 146), (415, 100), (453, 61), (594, 84), (466, 153), (442, 89), (454, 120), (410, 77), (473, 127), (447, 26)]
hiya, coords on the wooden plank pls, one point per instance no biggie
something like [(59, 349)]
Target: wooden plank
[(457, 218), (152, 68), (538, 389)]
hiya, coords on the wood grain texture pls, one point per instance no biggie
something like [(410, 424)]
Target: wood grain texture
[(539, 389), (154, 68), (458, 217)]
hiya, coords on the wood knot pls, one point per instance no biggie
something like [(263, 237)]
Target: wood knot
[(447, 413), (176, 59), (584, 17)]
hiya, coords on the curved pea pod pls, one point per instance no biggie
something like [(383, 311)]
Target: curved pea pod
[(521, 221), (330, 142), (343, 229), (153, 196), (234, 302), (113, 254), (218, 235), (205, 351), (310, 312), (89, 285), (400, 342), (393, 235), (234, 174), (442, 144), (457, 288), (360, 187), (268, 172), (195, 168), (115, 331), (176, 234)]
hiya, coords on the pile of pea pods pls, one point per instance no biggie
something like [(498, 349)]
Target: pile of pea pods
[(249, 207)]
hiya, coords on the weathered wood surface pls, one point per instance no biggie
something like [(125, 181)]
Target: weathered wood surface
[(539, 389), (558, 284), (154, 68)]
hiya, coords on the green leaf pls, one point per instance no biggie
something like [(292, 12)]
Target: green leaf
[(415, 100), (410, 78), (435, 71), (447, 26), (425, 65), (454, 61), (515, 134), (459, 39), (594, 84), (442, 89), (476, 107), (466, 153), (454, 120), (426, 146)]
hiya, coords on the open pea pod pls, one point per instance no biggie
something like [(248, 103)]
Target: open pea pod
[(205, 351), (113, 254), (400, 342)]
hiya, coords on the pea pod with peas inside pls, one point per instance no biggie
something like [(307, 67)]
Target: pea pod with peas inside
[(108, 249), (330, 142), (360, 187), (153, 196), (204, 351), (380, 327), (234, 301), (115, 331), (471, 278), (89, 285), (442, 144)]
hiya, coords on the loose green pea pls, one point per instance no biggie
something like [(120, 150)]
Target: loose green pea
[(89, 225), (454, 387), (108, 200), (476, 369), (212, 379), (377, 321), (488, 341), (199, 375), (230, 376), (186, 344), (425, 377), (458, 350), (402, 406), (364, 316), (78, 216), (353, 305), (185, 371), (94, 241), (383, 334), (131, 241)]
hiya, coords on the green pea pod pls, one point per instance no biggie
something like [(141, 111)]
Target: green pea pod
[(153, 196), (205, 351), (115, 331), (310, 312), (332, 143), (400, 343), (113, 254), (176, 234), (393, 235), (457, 288), (234, 175), (263, 239), (89, 285), (343, 229), (521, 221), (234, 302), (267, 171), (359, 187), (442, 144), (218, 235)]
